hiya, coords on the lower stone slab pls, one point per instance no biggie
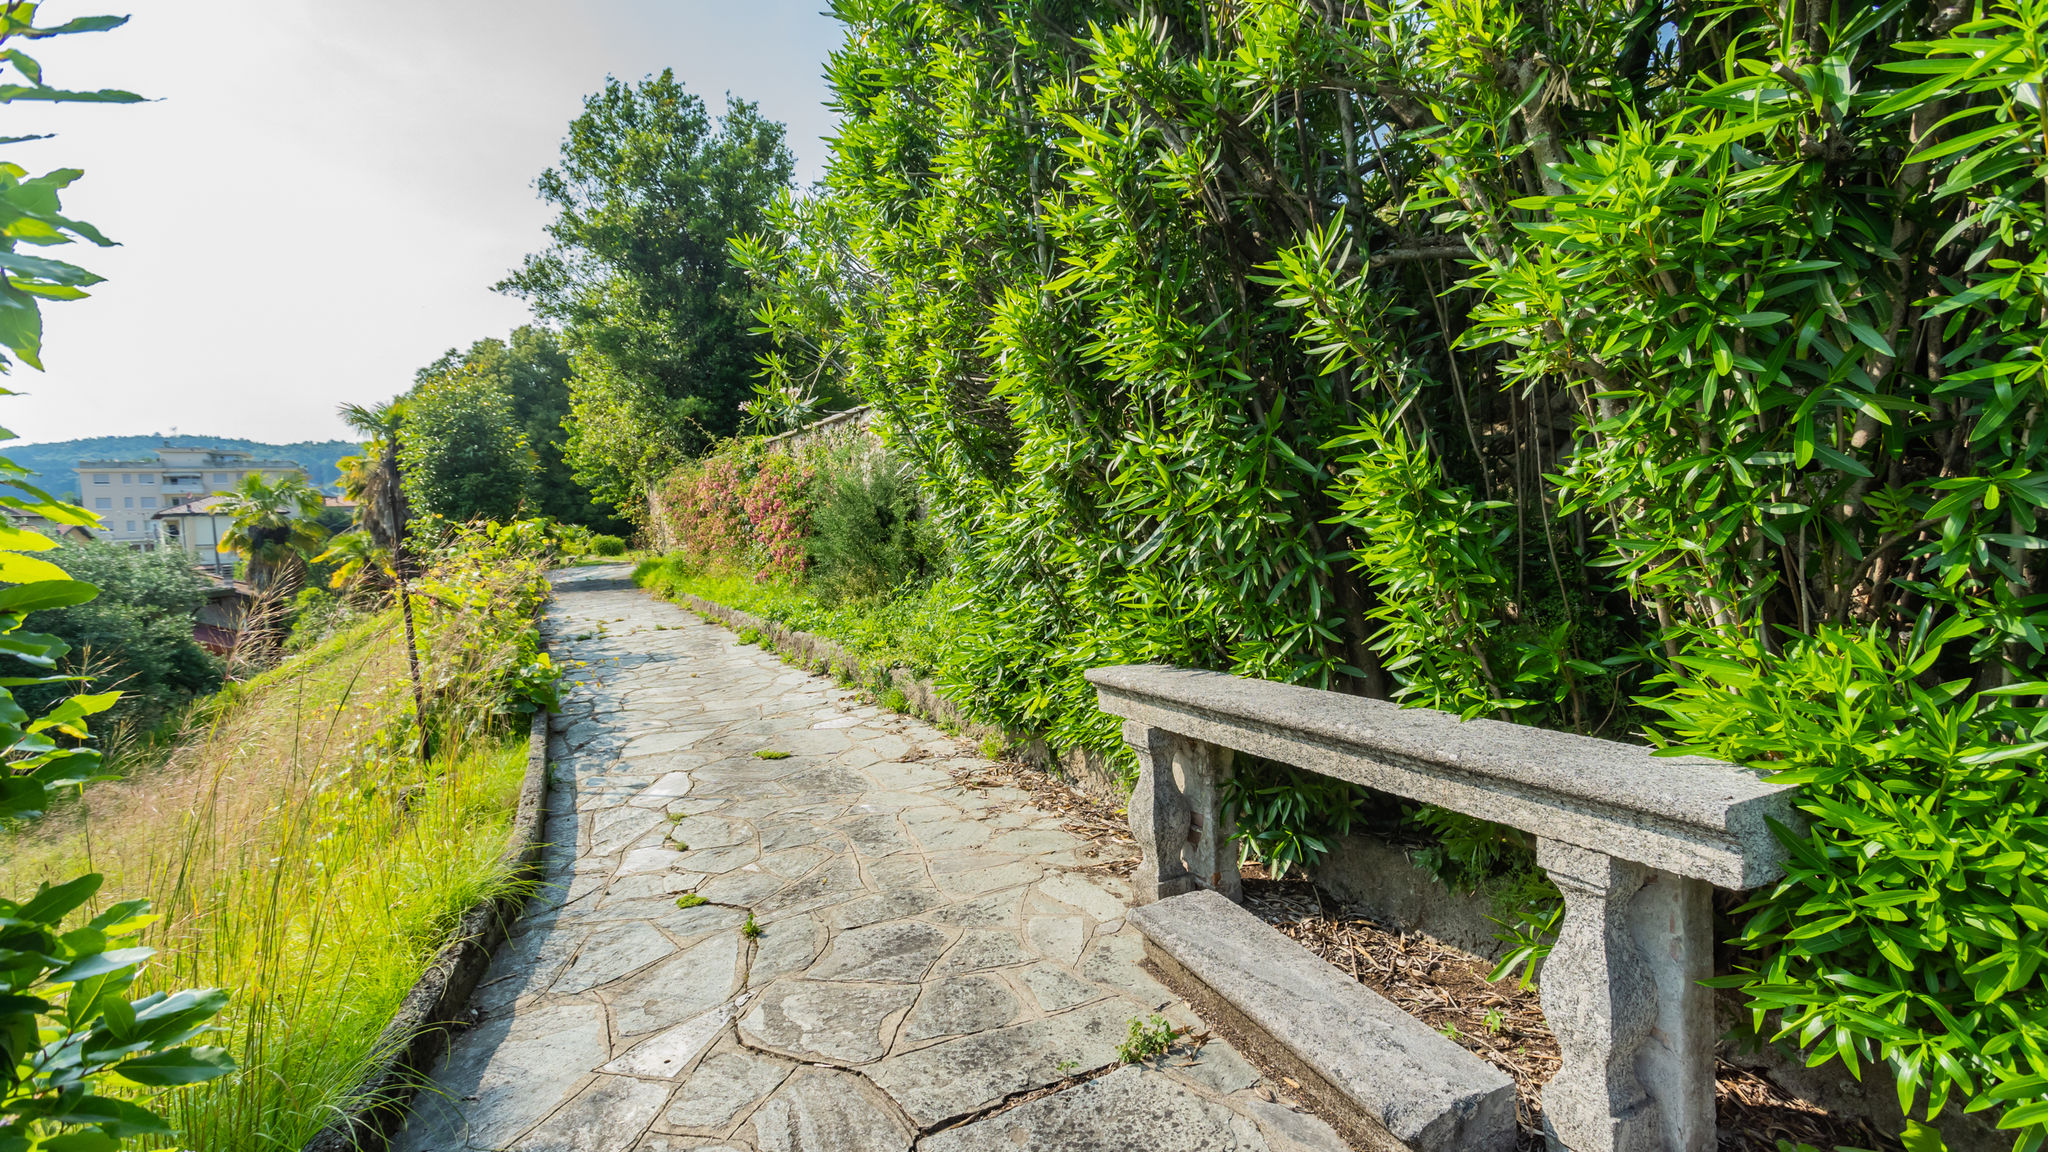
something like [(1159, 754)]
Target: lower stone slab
[(1131, 1108), (960, 1077), (1357, 1052)]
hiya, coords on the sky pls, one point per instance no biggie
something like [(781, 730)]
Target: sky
[(319, 196)]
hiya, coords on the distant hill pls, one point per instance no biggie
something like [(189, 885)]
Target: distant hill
[(56, 462)]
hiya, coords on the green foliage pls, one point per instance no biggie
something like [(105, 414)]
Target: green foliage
[(318, 616), (1286, 817), (750, 929), (1146, 1039), (650, 191), (462, 453), (532, 369), (135, 636), (690, 900), (68, 1022), (1912, 921), (867, 531), (603, 545), (771, 754)]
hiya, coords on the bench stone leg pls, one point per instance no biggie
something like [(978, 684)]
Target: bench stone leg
[(1178, 816), (1621, 992)]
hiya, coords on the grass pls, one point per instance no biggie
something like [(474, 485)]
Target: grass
[(911, 627), (298, 858)]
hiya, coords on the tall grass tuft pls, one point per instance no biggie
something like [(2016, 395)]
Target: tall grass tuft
[(303, 858)]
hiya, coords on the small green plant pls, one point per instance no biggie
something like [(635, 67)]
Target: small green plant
[(602, 545), (751, 929), (1449, 1032), (1494, 1021), (772, 754), (749, 636), (1147, 1038), (691, 900), (675, 817), (1066, 1067), (895, 701), (680, 846), (993, 748)]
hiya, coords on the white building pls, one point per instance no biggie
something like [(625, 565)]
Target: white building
[(127, 494)]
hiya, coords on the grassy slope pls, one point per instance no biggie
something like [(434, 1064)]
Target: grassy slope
[(911, 628), (298, 861)]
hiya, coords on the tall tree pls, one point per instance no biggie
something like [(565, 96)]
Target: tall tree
[(651, 190), (532, 369), (464, 456)]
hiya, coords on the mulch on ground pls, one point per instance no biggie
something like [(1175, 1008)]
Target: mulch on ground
[(1447, 989)]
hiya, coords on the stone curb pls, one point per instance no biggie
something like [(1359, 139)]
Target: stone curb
[(420, 1030), (1087, 771)]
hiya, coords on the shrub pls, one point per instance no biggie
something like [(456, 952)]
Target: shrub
[(868, 529), (603, 545), (136, 636)]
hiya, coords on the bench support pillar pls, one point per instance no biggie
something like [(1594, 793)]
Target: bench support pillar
[(1621, 992), (1178, 816)]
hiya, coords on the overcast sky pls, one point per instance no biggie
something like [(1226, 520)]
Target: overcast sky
[(322, 194)]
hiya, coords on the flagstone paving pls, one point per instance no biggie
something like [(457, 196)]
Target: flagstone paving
[(930, 956)]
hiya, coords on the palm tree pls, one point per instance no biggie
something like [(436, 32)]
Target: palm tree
[(373, 481), (275, 528), (359, 561)]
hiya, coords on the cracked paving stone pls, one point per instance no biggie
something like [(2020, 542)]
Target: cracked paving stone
[(820, 1110), (957, 1007), (982, 949), (669, 1054), (785, 945), (608, 1116), (722, 1085), (676, 989), (506, 1075), (1057, 989), (900, 951), (1113, 960), (958, 1077), (612, 953), (831, 1023), (1127, 1109), (896, 905)]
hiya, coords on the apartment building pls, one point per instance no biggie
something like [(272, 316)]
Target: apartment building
[(127, 494)]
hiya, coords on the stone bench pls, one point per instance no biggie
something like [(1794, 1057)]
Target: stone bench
[(1635, 842)]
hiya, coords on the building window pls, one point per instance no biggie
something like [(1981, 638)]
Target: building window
[(145, 478), (220, 477), (103, 502), (131, 526), (149, 501), (101, 478)]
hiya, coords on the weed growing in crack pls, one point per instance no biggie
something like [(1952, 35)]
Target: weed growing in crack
[(772, 754), (690, 900), (750, 929), (1148, 1038)]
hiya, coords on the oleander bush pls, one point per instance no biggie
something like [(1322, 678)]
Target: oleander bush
[(1651, 370)]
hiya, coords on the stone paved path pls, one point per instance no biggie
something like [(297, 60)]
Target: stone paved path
[(928, 952)]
